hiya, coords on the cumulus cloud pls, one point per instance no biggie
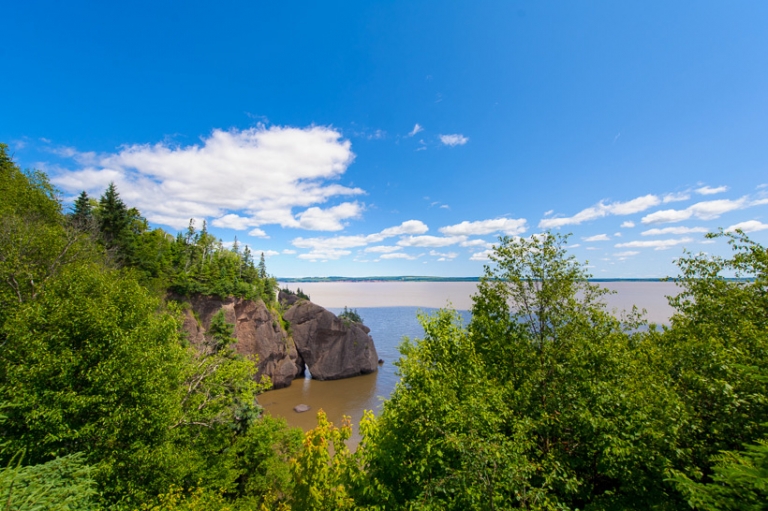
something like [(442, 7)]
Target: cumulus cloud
[(709, 190), (748, 226), (267, 253), (509, 226), (324, 254), (407, 227), (476, 243), (397, 255), (654, 244), (628, 224), (330, 219), (383, 249), (261, 174), (676, 197), (430, 241), (673, 230), (597, 237), (443, 255), (232, 221), (418, 128), (361, 240), (602, 209), (706, 210), (288, 251), (258, 233), (453, 140), (485, 255), (627, 253)]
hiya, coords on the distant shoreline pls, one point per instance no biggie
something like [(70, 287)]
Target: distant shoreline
[(292, 280)]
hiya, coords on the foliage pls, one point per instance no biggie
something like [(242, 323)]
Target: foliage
[(35, 241), (350, 315), (547, 404), (64, 484), (716, 355), (89, 366), (739, 482), (326, 475)]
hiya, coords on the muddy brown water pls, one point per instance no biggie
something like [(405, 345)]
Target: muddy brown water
[(390, 310)]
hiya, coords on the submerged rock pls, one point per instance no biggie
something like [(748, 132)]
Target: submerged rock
[(301, 408)]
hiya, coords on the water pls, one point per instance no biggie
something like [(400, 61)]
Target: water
[(390, 310)]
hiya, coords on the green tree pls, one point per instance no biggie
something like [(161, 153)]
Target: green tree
[(716, 354), (91, 366), (113, 219), (35, 240), (545, 401), (82, 213)]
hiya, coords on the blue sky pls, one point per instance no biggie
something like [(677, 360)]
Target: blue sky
[(402, 138)]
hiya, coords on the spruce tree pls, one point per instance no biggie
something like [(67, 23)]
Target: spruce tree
[(262, 267), (82, 212), (113, 218)]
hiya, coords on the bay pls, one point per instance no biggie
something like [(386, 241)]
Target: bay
[(390, 310)]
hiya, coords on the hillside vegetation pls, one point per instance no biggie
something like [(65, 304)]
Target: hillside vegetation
[(544, 401)]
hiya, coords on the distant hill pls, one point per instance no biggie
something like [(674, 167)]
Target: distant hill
[(416, 278)]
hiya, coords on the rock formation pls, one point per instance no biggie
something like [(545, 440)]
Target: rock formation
[(258, 332), (330, 347)]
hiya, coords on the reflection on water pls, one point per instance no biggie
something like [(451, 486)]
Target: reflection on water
[(389, 324)]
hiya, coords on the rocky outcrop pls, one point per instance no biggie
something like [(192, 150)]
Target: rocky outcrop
[(258, 332), (331, 347)]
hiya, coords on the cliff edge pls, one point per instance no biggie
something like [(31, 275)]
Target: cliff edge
[(331, 348)]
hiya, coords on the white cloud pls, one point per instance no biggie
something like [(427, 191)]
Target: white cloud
[(627, 253), (676, 197), (509, 226), (232, 221), (361, 240), (397, 255), (267, 253), (708, 190), (453, 140), (476, 243), (258, 233), (748, 226), (706, 210), (601, 210), (262, 173), (324, 254), (418, 128), (430, 241), (485, 255), (654, 244), (673, 230), (407, 227), (443, 255), (330, 219), (628, 224), (597, 237), (575, 245), (288, 251), (383, 249)]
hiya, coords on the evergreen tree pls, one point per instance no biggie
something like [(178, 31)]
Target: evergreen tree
[(113, 219), (262, 267), (82, 212)]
